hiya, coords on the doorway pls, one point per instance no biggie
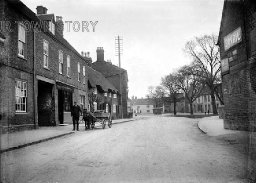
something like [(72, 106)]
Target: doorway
[(45, 104)]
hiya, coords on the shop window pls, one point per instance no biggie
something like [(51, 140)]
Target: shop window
[(67, 101)]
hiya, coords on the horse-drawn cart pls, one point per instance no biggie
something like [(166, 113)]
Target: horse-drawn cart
[(102, 117)]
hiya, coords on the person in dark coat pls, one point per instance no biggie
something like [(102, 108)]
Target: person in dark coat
[(88, 118), (75, 113)]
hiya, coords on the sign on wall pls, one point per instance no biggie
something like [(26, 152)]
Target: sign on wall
[(224, 65), (233, 38)]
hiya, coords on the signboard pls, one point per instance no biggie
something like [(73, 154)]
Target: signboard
[(224, 65), (232, 38)]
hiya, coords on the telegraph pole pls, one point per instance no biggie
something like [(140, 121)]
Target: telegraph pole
[(119, 51)]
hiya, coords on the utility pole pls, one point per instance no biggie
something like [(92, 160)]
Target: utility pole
[(119, 51)]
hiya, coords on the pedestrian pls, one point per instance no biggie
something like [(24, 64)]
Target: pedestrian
[(75, 113), (88, 119)]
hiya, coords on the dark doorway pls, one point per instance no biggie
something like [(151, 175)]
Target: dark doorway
[(61, 105), (45, 104), (64, 104)]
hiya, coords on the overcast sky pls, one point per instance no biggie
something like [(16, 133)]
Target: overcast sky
[(154, 32)]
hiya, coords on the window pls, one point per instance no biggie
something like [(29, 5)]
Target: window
[(95, 106), (46, 53), (82, 101), (114, 96), (22, 40), (110, 95), (148, 110), (68, 66), (78, 71), (105, 94), (60, 62), (95, 92), (52, 27), (205, 99), (84, 75), (114, 108), (67, 101), (21, 96)]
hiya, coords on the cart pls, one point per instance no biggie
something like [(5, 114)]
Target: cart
[(102, 117)]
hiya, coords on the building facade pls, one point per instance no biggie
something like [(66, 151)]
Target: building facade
[(16, 67), (42, 75), (117, 76), (237, 41)]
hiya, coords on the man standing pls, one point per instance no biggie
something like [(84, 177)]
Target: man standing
[(75, 113)]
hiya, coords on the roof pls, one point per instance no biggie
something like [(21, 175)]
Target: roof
[(97, 79), (143, 101), (48, 17), (21, 7), (107, 69)]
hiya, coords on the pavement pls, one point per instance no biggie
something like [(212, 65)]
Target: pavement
[(213, 126), (16, 140)]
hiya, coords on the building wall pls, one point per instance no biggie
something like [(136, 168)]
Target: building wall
[(236, 80), (62, 81), (13, 68), (143, 109)]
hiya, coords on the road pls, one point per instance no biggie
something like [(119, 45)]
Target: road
[(154, 149)]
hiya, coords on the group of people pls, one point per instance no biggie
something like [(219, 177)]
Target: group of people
[(88, 117)]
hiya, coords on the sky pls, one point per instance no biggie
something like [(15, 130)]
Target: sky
[(154, 32)]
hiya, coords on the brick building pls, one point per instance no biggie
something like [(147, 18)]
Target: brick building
[(117, 76), (41, 73), (61, 73), (16, 67), (102, 94), (237, 41)]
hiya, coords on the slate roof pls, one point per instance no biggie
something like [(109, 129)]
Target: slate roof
[(47, 17), (107, 69), (97, 79)]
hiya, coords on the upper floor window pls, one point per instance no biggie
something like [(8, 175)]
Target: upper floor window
[(68, 66), (84, 75), (114, 95), (46, 54), (21, 96), (52, 27), (60, 62), (78, 71), (22, 40)]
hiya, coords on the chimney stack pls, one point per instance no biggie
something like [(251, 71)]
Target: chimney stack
[(100, 54), (41, 10), (59, 25)]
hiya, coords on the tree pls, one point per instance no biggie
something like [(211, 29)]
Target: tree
[(206, 60), (157, 94), (189, 83), (168, 82)]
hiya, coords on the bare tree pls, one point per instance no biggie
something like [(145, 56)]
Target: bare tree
[(206, 59), (189, 83), (168, 82), (157, 94)]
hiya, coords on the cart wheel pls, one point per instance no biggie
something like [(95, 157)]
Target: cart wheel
[(103, 124), (109, 123)]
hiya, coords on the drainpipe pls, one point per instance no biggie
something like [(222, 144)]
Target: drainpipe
[(34, 79)]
